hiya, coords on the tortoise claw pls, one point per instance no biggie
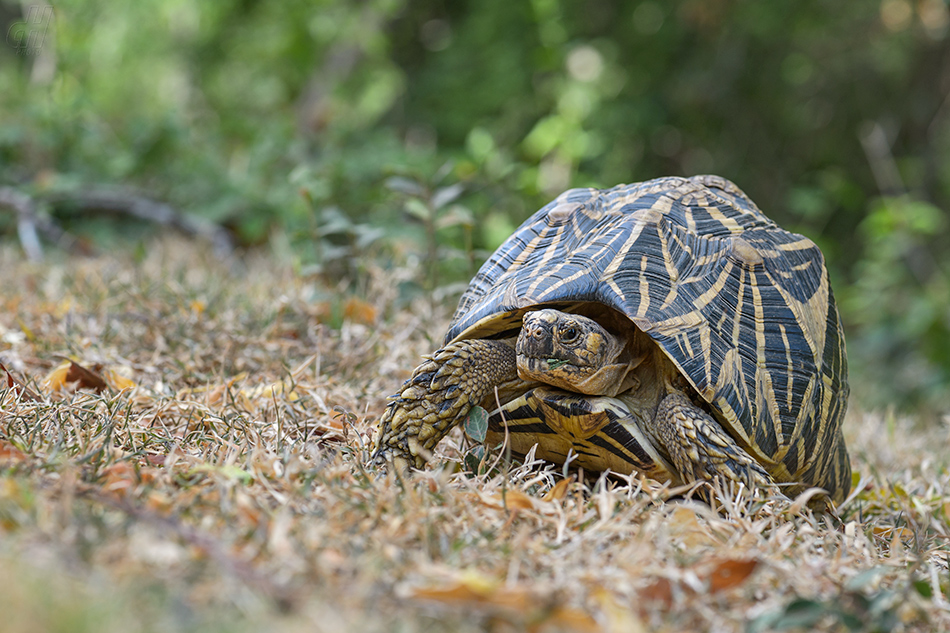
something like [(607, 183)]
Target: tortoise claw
[(385, 459)]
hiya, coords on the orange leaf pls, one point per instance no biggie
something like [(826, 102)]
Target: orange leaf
[(685, 525), (118, 478), (359, 311), (457, 593), (117, 381), (271, 391), (331, 429), (70, 372), (566, 619), (9, 453), (515, 500), (889, 533), (619, 617), (56, 379), (214, 394), (660, 591), (729, 573), (475, 589), (528, 610), (122, 476), (559, 491), (718, 575)]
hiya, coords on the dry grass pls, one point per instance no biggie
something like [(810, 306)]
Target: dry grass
[(226, 490)]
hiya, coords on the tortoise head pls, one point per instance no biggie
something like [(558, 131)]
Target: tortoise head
[(573, 352)]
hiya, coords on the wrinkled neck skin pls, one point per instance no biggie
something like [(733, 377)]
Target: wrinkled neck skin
[(655, 377)]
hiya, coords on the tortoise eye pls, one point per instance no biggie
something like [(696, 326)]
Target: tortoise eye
[(570, 334)]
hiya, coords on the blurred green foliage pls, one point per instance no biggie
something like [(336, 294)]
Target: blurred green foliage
[(425, 131)]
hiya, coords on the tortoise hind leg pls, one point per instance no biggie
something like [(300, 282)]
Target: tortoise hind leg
[(439, 394), (700, 449)]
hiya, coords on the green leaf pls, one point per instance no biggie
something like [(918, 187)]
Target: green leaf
[(799, 613), (473, 459), (924, 588), (446, 195), (405, 185), (476, 424), (480, 143), (228, 471), (865, 578), (418, 209), (456, 215)]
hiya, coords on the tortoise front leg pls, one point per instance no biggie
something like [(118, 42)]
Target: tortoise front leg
[(700, 449), (439, 395)]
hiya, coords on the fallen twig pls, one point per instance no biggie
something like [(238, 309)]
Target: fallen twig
[(25, 209), (143, 208), (30, 224)]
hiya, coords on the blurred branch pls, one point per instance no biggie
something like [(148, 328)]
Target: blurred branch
[(878, 151), (31, 224), (23, 205), (137, 206)]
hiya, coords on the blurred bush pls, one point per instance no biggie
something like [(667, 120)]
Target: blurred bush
[(395, 131)]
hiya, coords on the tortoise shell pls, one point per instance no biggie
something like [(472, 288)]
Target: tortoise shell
[(741, 306)]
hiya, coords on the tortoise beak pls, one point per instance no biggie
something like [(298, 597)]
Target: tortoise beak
[(536, 339)]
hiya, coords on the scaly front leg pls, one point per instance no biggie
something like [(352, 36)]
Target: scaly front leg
[(439, 395)]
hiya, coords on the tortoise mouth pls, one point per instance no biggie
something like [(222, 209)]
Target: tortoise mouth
[(552, 369), (543, 354), (550, 363)]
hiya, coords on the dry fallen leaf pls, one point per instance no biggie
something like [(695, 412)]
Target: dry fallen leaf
[(889, 533), (329, 430), (123, 476), (519, 604), (620, 619), (351, 309), (685, 525), (565, 619), (72, 373), (728, 573), (117, 381), (716, 575), (472, 588), (516, 500), (559, 490), (214, 394), (511, 500), (660, 591), (272, 390), (359, 311), (10, 453), (809, 498)]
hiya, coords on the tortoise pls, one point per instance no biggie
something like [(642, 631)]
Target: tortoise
[(666, 327)]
